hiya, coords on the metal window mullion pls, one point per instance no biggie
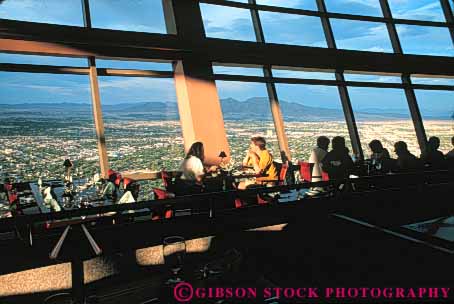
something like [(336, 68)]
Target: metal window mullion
[(406, 79), (447, 11), (343, 90), (272, 92), (96, 99)]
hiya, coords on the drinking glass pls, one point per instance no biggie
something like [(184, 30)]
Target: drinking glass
[(174, 251)]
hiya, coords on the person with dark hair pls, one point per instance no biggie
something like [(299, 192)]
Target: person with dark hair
[(450, 154), (192, 167), (433, 158), (405, 160), (193, 170), (261, 160), (317, 155), (380, 158), (338, 163)]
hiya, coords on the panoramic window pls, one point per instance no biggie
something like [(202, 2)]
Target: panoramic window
[(310, 111), (247, 113), (235, 70), (301, 4), (432, 81), (365, 8), (125, 15), (437, 111), (302, 74), (141, 123), (134, 65), (425, 40), (227, 22), (361, 35), (45, 119), (428, 10), (292, 29), (43, 60), (383, 114), (372, 78), (68, 12)]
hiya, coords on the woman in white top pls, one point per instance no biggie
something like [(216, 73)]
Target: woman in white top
[(192, 167)]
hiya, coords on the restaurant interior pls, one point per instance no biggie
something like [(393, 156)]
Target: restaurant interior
[(96, 202)]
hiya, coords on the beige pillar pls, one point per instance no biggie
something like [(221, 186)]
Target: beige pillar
[(200, 109)]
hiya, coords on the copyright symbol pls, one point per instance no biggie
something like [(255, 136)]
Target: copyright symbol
[(183, 292)]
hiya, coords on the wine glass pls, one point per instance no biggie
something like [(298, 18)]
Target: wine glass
[(174, 251)]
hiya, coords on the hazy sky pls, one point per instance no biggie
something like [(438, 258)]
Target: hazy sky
[(229, 23)]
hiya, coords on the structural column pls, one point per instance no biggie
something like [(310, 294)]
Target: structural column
[(96, 100), (406, 80), (343, 91), (198, 101), (272, 93)]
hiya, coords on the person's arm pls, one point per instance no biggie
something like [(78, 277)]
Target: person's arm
[(247, 158), (255, 162)]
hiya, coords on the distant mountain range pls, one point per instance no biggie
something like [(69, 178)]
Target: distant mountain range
[(256, 108)]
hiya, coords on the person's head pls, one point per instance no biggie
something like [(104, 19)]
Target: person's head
[(196, 150), (376, 146), (338, 143), (400, 148), (323, 142), (433, 143), (258, 143)]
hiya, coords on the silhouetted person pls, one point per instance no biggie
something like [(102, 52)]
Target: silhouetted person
[(381, 160), (405, 160), (433, 158), (317, 155), (450, 154), (338, 163)]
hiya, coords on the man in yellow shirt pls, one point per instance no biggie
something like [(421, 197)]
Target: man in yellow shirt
[(261, 160)]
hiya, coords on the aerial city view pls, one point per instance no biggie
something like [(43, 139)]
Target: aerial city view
[(36, 138)]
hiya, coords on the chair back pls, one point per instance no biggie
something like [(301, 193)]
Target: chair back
[(166, 178), (305, 171), (160, 193), (283, 174), (325, 176)]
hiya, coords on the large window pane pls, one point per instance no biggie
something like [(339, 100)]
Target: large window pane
[(141, 123), (361, 35), (234, 70), (43, 60), (425, 40), (300, 74), (437, 111), (45, 119), (292, 29), (247, 113), (301, 4), (137, 16), (68, 12), (432, 81), (365, 8), (227, 22), (134, 65), (429, 10), (309, 112), (372, 78), (383, 114)]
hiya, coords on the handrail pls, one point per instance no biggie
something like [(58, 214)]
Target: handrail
[(153, 204)]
